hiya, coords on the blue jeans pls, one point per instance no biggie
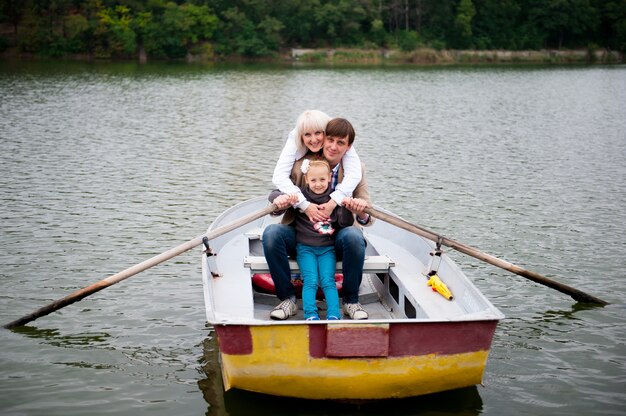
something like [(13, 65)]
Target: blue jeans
[(279, 242), (317, 264)]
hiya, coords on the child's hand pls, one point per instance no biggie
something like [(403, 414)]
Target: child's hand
[(316, 214), (328, 207)]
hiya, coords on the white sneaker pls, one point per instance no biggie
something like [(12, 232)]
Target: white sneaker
[(284, 310), (354, 311)]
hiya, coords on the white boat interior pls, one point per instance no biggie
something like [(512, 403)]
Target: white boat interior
[(394, 286)]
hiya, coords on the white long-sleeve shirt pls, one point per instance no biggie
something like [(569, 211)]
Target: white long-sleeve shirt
[(290, 153)]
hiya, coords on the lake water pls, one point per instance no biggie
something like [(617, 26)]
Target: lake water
[(105, 165)]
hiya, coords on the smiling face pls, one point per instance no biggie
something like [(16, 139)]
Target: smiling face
[(318, 178), (313, 139), (335, 148), (310, 130)]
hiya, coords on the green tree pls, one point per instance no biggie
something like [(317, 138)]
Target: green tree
[(408, 40), (563, 22), (438, 17), (496, 24), (12, 11), (76, 32), (462, 31), (340, 22), (169, 30), (298, 18), (613, 15), (114, 33), (378, 33)]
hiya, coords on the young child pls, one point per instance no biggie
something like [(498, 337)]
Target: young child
[(308, 136), (315, 241)]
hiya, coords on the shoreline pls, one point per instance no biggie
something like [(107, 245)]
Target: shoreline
[(429, 56), (375, 57)]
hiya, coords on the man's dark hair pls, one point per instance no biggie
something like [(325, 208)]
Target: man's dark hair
[(340, 127)]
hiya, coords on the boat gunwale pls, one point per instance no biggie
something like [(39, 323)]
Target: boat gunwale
[(344, 322)]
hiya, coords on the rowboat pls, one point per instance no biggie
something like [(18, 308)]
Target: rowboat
[(415, 341)]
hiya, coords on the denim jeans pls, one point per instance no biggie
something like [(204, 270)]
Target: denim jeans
[(318, 264), (279, 242)]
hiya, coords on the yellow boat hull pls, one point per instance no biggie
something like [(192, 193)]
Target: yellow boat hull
[(302, 361)]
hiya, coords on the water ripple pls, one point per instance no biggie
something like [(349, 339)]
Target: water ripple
[(103, 166)]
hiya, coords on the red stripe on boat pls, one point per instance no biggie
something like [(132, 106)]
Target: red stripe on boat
[(412, 339), (317, 341), (234, 339), (359, 341), (440, 338)]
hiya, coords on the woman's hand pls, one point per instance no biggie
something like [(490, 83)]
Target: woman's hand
[(285, 201)]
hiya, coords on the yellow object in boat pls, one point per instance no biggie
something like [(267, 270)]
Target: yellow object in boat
[(440, 287)]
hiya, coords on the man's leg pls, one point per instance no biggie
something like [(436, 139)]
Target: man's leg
[(350, 248), (279, 242)]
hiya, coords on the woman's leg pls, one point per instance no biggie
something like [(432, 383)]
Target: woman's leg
[(350, 248)]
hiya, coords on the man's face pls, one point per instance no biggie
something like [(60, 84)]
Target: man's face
[(335, 148)]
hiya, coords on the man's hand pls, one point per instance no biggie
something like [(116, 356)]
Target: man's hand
[(285, 201), (357, 206), (316, 214)]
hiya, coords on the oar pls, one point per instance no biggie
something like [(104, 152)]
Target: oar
[(470, 251), (131, 271)]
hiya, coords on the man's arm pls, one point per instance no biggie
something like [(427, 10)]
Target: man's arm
[(360, 201)]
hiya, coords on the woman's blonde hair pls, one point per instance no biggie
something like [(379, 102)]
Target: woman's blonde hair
[(310, 120)]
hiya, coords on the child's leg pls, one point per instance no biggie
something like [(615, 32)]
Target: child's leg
[(326, 262), (307, 260)]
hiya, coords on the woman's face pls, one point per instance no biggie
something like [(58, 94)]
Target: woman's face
[(313, 139)]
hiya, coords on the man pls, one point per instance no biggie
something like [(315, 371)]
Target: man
[(279, 240)]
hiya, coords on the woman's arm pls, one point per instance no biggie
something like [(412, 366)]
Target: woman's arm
[(282, 171)]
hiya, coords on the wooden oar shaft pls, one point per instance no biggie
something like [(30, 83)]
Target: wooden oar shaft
[(131, 271), (470, 251)]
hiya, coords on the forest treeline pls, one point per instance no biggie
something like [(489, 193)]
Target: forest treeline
[(214, 29)]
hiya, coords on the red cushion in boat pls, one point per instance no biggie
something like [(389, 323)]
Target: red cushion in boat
[(263, 283)]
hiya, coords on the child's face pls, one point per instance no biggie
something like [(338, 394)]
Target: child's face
[(318, 179), (313, 139)]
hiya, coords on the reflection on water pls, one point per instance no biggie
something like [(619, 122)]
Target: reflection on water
[(53, 337), (105, 165)]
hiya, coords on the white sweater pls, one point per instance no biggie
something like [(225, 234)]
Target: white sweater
[(290, 153)]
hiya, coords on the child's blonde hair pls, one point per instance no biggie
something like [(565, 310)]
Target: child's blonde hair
[(307, 164), (310, 120), (317, 162)]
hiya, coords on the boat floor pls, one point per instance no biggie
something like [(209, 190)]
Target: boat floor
[(375, 310), (264, 303)]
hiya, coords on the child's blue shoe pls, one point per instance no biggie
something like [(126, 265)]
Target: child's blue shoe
[(332, 318), (313, 318)]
